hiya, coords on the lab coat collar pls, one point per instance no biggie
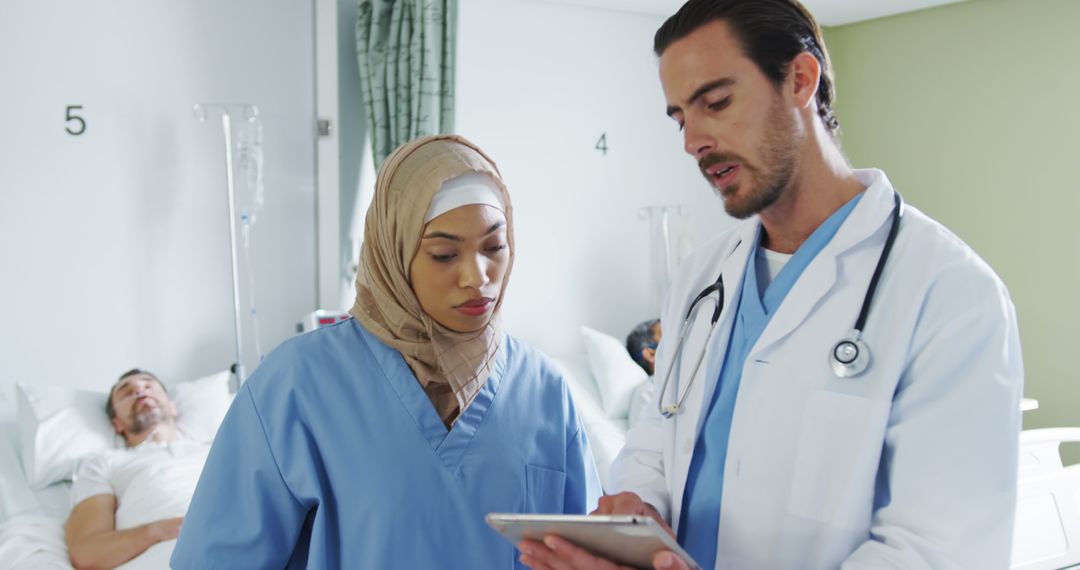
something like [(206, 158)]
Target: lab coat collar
[(734, 268), (870, 214)]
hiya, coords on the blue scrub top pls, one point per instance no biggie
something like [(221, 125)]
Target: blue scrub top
[(699, 525), (332, 456)]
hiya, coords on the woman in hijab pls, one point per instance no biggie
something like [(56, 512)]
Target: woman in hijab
[(382, 441)]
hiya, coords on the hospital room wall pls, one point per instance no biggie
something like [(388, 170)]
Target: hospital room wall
[(971, 110), (116, 246), (538, 84)]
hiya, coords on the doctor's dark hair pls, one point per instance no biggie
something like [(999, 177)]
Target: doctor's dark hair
[(638, 340), (109, 409), (771, 32)]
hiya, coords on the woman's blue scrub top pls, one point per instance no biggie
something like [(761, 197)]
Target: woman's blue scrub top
[(332, 456)]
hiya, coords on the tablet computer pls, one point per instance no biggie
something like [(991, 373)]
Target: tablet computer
[(625, 539)]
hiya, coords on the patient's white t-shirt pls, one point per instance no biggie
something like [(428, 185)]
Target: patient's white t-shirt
[(151, 481)]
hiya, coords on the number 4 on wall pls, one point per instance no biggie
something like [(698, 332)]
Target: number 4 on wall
[(69, 117), (601, 145)]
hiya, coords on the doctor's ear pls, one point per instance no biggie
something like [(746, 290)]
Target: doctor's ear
[(649, 355), (805, 74)]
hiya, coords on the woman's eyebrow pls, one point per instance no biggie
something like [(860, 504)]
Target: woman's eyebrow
[(444, 235)]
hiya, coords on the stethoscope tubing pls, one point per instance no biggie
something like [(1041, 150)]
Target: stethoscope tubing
[(897, 213), (718, 286), (691, 313)]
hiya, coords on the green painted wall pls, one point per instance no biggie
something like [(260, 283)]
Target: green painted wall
[(973, 110)]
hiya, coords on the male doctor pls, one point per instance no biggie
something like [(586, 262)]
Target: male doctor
[(789, 448)]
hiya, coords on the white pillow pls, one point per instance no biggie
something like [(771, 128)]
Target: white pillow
[(582, 389), (57, 427), (617, 375), (202, 405), (60, 426)]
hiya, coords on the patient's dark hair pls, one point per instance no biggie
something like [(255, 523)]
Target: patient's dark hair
[(638, 340), (771, 32), (108, 402)]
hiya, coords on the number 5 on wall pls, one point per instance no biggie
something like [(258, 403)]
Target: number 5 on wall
[(69, 117)]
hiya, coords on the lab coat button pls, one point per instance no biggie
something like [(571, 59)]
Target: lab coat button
[(688, 445)]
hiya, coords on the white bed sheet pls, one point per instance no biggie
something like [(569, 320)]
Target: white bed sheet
[(16, 496), (31, 523), (606, 435)]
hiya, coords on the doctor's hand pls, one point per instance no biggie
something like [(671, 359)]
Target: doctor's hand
[(630, 504), (559, 554)]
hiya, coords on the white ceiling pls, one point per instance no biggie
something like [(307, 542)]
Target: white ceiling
[(827, 12)]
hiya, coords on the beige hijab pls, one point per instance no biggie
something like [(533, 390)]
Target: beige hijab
[(451, 366)]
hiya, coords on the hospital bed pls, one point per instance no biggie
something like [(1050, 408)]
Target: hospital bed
[(65, 426), (610, 391), (1047, 532)]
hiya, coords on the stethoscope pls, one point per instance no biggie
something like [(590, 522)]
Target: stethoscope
[(848, 358)]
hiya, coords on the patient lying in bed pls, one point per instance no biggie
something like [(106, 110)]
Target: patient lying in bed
[(129, 503)]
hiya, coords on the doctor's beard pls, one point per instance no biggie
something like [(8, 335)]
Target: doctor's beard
[(778, 153)]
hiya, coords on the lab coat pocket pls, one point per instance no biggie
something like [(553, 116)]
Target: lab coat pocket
[(836, 463), (544, 489)]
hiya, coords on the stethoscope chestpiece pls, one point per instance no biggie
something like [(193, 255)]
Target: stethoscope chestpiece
[(849, 357)]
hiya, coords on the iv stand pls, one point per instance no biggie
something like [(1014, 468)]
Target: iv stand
[(251, 112), (664, 249)]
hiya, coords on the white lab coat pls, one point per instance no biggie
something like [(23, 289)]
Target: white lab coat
[(911, 465)]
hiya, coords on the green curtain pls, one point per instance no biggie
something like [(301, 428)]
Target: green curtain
[(406, 50)]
